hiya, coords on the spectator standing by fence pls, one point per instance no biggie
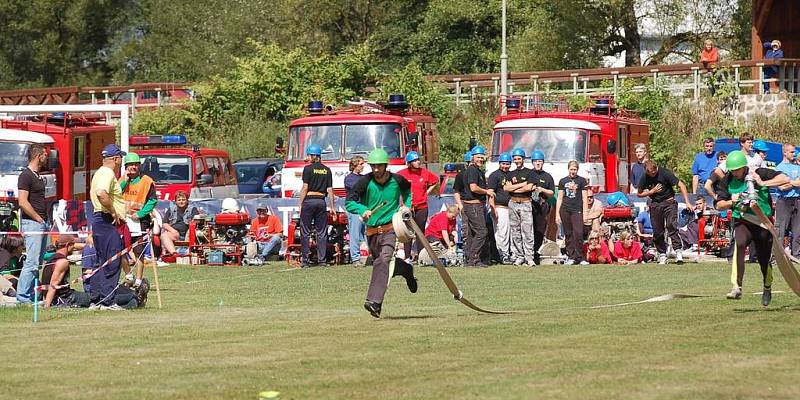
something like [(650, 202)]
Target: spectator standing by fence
[(33, 219), (774, 52), (704, 162)]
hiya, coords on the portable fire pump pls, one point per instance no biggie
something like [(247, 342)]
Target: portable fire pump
[(714, 228), (338, 241), (219, 240), (617, 219)]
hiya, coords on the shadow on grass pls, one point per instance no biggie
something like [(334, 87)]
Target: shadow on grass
[(767, 309), (402, 317)]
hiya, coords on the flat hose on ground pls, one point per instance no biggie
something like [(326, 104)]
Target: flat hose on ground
[(405, 226)]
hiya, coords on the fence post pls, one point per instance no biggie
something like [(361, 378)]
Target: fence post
[(781, 77), (94, 97), (472, 92), (655, 77), (158, 97), (760, 77), (458, 90), (108, 101), (574, 83), (535, 80), (133, 102), (511, 87), (696, 82), (737, 78), (585, 89), (496, 84), (615, 74)]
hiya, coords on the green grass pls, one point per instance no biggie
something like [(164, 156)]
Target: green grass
[(229, 333)]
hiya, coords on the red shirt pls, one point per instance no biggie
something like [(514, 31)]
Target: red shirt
[(629, 254), (420, 181), (438, 223), (262, 230), (593, 256), (709, 56)]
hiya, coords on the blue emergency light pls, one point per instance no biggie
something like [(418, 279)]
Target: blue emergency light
[(150, 140)]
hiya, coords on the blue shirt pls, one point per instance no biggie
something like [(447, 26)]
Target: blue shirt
[(637, 172), (644, 219), (793, 172), (704, 164), (350, 181)]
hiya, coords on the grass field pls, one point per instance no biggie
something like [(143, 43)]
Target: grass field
[(228, 333)]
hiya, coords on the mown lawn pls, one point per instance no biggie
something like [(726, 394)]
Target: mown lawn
[(230, 333)]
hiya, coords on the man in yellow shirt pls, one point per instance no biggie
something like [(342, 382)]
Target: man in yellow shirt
[(109, 213)]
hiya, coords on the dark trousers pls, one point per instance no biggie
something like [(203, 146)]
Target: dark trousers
[(572, 222), (314, 211), (381, 247), (421, 218), (787, 212), (107, 243), (477, 249), (744, 233), (541, 216), (664, 217)]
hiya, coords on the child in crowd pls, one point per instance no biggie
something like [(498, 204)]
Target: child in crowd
[(627, 250)]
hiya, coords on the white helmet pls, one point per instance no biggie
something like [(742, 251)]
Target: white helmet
[(230, 205)]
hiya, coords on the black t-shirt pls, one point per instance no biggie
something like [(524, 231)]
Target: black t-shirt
[(473, 174), (34, 184), (47, 273), (519, 176), (319, 179), (458, 183), (573, 193), (543, 180), (667, 180), (496, 181)]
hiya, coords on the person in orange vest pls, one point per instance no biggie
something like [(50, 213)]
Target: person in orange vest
[(139, 194)]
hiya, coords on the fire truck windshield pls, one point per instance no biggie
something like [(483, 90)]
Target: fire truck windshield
[(361, 139), (345, 141), (558, 145), (167, 168), (15, 157)]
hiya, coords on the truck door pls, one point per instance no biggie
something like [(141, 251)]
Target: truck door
[(623, 136), (81, 178), (596, 166)]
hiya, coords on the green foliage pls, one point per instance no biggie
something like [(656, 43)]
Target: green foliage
[(420, 92)]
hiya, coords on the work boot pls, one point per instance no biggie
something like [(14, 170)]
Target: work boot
[(412, 284), (735, 294), (766, 296), (141, 292), (373, 308)]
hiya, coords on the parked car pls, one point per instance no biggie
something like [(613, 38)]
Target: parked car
[(259, 176)]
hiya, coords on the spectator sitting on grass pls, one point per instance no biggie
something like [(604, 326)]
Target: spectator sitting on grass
[(55, 277), (11, 249), (597, 250), (627, 250)]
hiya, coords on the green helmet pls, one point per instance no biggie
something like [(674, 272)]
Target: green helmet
[(132, 158), (378, 156), (736, 159)]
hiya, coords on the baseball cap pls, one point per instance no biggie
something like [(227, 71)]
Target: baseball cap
[(112, 150)]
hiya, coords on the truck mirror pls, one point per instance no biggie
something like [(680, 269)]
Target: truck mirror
[(206, 179), (52, 159), (611, 146)]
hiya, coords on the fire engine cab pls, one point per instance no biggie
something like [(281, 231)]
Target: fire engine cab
[(201, 172), (356, 131), (600, 138), (74, 142)]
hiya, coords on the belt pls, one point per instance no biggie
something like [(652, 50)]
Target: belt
[(315, 194), (521, 199), (373, 230), (472, 201)]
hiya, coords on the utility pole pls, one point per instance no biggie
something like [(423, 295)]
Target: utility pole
[(504, 65)]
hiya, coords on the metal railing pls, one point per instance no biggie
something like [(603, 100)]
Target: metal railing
[(676, 78)]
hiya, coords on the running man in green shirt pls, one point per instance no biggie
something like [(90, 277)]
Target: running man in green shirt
[(376, 197)]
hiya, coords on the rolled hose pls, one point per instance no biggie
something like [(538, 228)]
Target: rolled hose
[(405, 233)]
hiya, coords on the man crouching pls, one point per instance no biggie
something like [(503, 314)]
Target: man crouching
[(376, 197)]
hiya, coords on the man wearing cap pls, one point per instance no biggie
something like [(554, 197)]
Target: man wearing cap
[(520, 190), (139, 193), (499, 207), (733, 194), (33, 218), (109, 212), (704, 162), (377, 197), (317, 184), (266, 230), (544, 190), (423, 182), (473, 196), (658, 184)]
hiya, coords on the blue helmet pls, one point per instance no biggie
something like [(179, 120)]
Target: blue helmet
[(468, 156), (478, 150), (760, 145), (505, 157), (518, 152), (412, 156), (314, 150), (537, 155)]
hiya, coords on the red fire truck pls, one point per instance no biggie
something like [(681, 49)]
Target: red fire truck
[(75, 143), (356, 131), (600, 138), (201, 172)]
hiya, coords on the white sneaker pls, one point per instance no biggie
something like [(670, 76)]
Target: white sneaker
[(662, 259), (161, 263), (679, 257), (584, 262), (569, 262)]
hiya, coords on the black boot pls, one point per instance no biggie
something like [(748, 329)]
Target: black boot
[(766, 296), (373, 308)]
